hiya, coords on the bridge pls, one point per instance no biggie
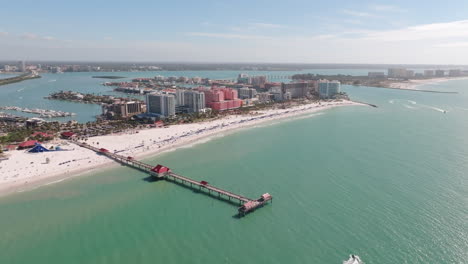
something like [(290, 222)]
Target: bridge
[(160, 172)]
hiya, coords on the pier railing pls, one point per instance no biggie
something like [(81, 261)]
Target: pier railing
[(160, 172)]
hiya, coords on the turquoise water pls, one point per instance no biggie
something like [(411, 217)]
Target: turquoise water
[(388, 184)]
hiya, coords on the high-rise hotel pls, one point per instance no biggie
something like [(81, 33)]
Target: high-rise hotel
[(161, 104), (328, 89)]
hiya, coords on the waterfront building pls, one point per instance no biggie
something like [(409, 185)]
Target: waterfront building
[(243, 78), (194, 101), (125, 109), (247, 93), (428, 73), (6, 68), (328, 89), (222, 99), (180, 97), (264, 97), (439, 73), (56, 69), (258, 81), (34, 122), (21, 66), (268, 85), (161, 104), (196, 79), (409, 73), (454, 72), (376, 75), (397, 73), (295, 90), (183, 79)]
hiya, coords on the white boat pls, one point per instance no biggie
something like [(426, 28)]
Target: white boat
[(353, 259)]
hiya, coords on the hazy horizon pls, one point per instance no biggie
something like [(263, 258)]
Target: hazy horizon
[(298, 31)]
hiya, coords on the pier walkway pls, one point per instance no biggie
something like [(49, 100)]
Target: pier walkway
[(161, 172)]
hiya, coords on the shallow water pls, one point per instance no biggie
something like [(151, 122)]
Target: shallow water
[(388, 184)]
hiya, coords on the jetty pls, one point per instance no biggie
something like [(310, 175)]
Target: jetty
[(20, 78), (160, 172)]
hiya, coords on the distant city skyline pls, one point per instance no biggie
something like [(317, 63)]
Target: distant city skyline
[(297, 31)]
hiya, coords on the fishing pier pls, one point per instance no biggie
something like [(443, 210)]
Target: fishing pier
[(161, 172)]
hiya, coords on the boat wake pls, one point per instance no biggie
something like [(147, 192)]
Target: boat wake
[(52, 80), (19, 90), (353, 259), (414, 105), (435, 108)]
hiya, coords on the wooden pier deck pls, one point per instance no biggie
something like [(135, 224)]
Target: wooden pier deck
[(247, 204), (210, 188)]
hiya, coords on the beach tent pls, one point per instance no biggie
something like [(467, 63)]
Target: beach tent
[(38, 148)]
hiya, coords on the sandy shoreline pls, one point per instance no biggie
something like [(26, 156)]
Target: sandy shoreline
[(25, 171), (414, 84)]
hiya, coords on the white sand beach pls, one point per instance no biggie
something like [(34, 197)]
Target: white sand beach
[(23, 171), (414, 84)]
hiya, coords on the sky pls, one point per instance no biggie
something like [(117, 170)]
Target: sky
[(292, 31)]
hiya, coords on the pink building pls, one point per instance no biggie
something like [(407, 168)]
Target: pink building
[(222, 99)]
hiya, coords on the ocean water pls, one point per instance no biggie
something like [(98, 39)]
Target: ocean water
[(388, 184)]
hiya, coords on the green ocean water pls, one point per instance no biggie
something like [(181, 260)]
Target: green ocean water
[(388, 184)]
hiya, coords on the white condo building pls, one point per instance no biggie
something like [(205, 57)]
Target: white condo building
[(328, 89), (194, 101), (161, 104)]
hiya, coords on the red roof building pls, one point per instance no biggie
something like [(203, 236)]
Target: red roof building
[(11, 147), (45, 135), (67, 134), (161, 169), (28, 144), (159, 123)]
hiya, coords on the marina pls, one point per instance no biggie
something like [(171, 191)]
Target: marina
[(41, 112)]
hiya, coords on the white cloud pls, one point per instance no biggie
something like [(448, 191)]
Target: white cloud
[(456, 29), (452, 45), (353, 21), (358, 13), (227, 36), (29, 36), (48, 38), (387, 8), (266, 25), (250, 27)]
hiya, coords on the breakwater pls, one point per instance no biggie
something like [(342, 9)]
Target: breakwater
[(19, 78)]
